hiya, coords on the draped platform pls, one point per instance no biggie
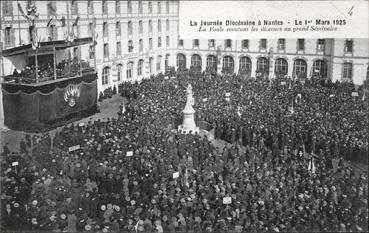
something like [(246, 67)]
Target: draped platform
[(36, 107)]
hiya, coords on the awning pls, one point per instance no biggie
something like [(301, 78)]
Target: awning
[(46, 46)]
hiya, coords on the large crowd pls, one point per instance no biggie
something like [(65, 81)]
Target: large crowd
[(135, 173)]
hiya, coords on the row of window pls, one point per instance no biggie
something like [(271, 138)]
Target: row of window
[(130, 47), (281, 44), (319, 68), (105, 77), (118, 27), (7, 7)]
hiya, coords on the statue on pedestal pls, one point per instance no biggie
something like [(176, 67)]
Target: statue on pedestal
[(189, 125)]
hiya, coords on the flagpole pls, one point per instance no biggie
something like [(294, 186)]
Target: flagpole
[(19, 29)]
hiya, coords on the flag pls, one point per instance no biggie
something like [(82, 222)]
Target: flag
[(21, 10), (51, 9)]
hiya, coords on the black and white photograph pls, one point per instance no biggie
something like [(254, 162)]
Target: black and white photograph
[(179, 116)]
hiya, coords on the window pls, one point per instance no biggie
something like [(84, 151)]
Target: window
[(129, 7), (139, 67), (320, 68), (211, 62), (150, 43), (74, 7), (166, 63), (90, 29), (300, 68), (245, 65), (159, 25), (167, 41), (211, 43), (347, 70), (151, 63), (167, 26), (159, 42), (140, 27), (228, 64), (301, 44), (90, 7), (130, 29), (180, 42), (150, 26), (8, 8), (119, 48), (105, 75), (119, 72), (245, 44), (349, 46), (105, 7), (129, 70), (118, 28), (228, 43), (181, 61), (150, 7), (106, 50), (167, 6), (281, 66), (52, 32), (140, 45), (263, 43), (281, 44), (91, 52), (130, 46), (159, 7), (158, 63), (196, 62), (105, 29), (9, 36), (140, 11), (321, 44), (262, 65), (195, 43), (117, 6)]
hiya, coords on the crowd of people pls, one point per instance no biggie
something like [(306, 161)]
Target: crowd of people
[(65, 68), (135, 173)]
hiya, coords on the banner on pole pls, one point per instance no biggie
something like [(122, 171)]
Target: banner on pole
[(227, 200), (73, 148), (129, 153), (175, 175)]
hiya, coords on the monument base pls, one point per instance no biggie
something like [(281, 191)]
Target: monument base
[(183, 130)]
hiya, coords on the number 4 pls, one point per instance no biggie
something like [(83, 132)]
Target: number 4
[(350, 11)]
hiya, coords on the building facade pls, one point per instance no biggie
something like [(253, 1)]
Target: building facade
[(335, 59), (134, 39)]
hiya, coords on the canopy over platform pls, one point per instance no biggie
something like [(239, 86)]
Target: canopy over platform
[(46, 46)]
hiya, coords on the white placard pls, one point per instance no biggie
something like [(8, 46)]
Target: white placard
[(227, 200), (205, 99), (15, 163), (73, 148), (354, 94), (227, 94), (175, 175), (273, 19), (283, 83), (129, 153)]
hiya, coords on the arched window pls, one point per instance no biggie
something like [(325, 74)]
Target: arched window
[(129, 70), (300, 68), (262, 66), (320, 68), (181, 61), (119, 72), (130, 28), (196, 62), (347, 70), (151, 64), (281, 66), (158, 63), (211, 62), (166, 63), (228, 64), (105, 75), (245, 65), (139, 67), (150, 26)]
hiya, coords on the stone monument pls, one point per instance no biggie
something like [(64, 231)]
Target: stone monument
[(189, 125)]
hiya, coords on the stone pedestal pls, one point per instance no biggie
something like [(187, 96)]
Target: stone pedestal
[(189, 125)]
